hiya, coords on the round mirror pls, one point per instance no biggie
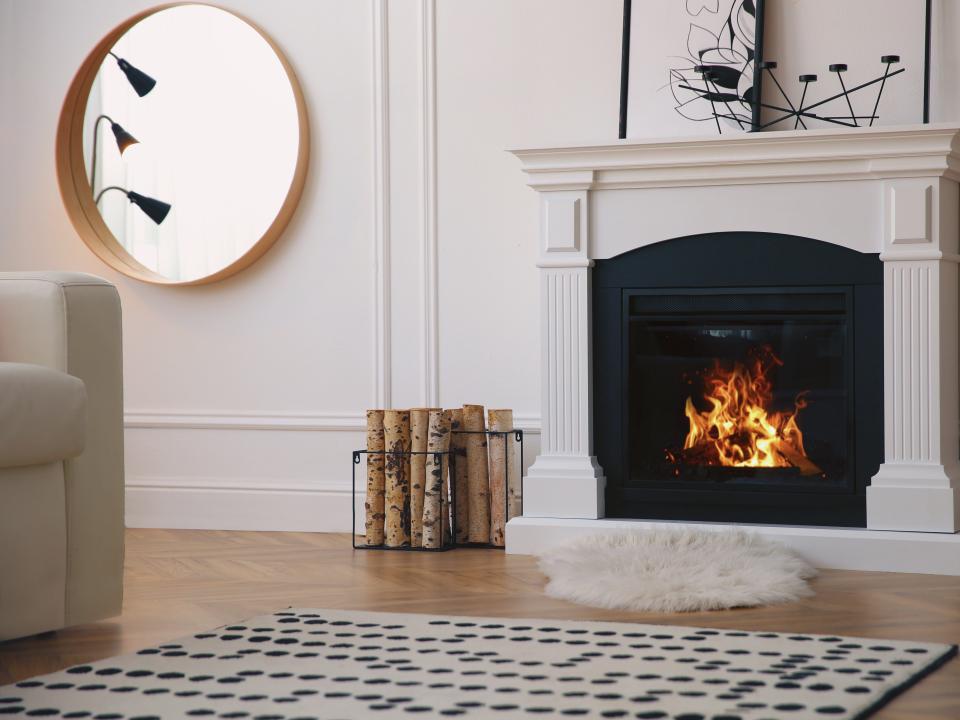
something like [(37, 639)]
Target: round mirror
[(182, 147)]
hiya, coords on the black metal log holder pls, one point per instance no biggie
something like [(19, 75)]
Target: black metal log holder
[(450, 542)]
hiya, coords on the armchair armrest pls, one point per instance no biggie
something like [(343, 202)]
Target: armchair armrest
[(43, 415)]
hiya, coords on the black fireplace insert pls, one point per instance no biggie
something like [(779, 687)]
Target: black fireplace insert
[(739, 379)]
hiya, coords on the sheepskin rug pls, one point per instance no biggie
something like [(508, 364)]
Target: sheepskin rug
[(675, 570)]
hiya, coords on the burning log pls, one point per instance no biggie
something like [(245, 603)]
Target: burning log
[(741, 429), (797, 459), (702, 454), (708, 455)]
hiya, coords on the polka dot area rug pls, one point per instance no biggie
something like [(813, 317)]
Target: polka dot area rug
[(334, 664)]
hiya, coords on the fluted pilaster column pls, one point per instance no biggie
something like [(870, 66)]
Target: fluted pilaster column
[(565, 480), (916, 487)]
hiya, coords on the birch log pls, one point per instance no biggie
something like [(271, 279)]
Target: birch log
[(396, 428), (419, 429), (375, 481), (478, 477), (500, 421), (444, 493), (461, 501), (438, 442)]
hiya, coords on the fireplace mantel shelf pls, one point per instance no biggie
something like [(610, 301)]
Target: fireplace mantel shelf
[(772, 157), (892, 191)]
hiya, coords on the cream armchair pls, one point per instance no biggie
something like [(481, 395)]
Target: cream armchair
[(61, 452)]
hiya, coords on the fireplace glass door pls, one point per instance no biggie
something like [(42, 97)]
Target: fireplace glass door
[(738, 377), (739, 389)]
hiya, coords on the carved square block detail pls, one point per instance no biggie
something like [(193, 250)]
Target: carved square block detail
[(562, 216), (911, 213)]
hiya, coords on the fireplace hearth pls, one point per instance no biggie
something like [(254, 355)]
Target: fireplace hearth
[(729, 370)]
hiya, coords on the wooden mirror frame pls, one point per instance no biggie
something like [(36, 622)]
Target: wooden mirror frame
[(78, 195)]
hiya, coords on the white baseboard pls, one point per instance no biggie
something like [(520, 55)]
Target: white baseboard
[(211, 504), (823, 547)]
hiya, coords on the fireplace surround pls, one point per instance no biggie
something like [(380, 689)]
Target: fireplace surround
[(886, 194)]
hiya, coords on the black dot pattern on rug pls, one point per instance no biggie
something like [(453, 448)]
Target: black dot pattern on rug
[(302, 664)]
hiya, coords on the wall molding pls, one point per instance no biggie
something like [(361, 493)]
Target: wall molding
[(382, 391), (324, 504), (299, 422), (429, 248), (222, 484), (254, 503)]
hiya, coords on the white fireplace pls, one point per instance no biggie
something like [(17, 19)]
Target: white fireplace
[(892, 191)]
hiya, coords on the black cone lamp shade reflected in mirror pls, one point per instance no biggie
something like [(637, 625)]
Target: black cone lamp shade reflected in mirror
[(123, 138), (140, 81), (154, 209)]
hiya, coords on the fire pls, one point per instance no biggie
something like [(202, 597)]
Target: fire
[(740, 429)]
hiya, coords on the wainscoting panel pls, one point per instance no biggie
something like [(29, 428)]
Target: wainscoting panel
[(240, 472), (244, 471), (198, 504)]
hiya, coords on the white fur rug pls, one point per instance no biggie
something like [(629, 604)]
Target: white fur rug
[(675, 570)]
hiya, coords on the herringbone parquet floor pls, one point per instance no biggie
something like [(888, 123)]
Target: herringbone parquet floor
[(182, 581)]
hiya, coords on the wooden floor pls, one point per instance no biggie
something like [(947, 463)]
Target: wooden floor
[(182, 581)]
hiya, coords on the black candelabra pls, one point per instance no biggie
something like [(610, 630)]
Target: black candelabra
[(801, 111)]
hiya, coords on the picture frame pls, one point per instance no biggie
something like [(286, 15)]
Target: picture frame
[(702, 67), (688, 67)]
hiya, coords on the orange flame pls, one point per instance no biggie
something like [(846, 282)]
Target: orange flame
[(740, 429)]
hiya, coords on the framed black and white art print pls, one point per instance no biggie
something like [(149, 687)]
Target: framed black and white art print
[(707, 67), (689, 67)]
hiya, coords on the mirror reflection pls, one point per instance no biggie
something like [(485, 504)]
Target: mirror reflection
[(191, 140)]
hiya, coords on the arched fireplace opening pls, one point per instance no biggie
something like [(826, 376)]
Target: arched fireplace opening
[(739, 378)]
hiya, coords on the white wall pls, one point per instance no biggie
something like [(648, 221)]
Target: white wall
[(245, 397), (406, 278), (806, 36)]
